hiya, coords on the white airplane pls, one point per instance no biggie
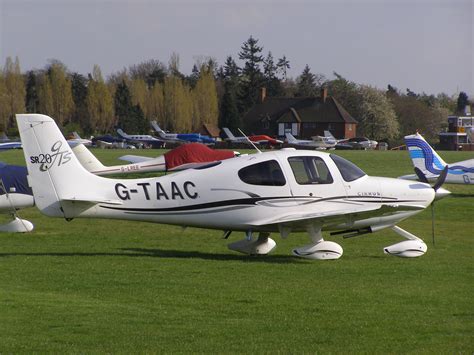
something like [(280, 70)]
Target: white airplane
[(317, 142), (252, 139), (15, 194), (181, 137), (425, 158), (279, 191), (140, 138), (193, 155), (78, 140)]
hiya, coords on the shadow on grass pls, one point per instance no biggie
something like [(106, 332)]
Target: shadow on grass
[(461, 195), (172, 254)]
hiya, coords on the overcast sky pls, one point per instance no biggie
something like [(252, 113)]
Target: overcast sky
[(424, 45)]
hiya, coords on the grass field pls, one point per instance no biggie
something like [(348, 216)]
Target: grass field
[(97, 286)]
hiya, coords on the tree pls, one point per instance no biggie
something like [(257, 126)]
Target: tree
[(378, 119), (15, 90), (61, 88), (139, 92), (205, 99), (100, 104), (177, 104), (252, 77), (45, 94), (306, 83), (79, 96), (151, 71), (283, 65), (156, 109), (461, 103), (229, 112), (271, 81), (31, 100), (347, 93)]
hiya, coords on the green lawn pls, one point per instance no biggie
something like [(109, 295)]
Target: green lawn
[(96, 286)]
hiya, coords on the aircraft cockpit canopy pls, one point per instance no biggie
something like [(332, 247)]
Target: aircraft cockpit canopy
[(348, 170)]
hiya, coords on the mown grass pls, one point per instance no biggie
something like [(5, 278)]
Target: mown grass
[(95, 286)]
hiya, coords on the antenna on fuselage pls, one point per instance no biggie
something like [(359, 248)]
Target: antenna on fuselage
[(258, 150)]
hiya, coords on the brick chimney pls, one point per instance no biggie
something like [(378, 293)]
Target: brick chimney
[(263, 94), (324, 94)]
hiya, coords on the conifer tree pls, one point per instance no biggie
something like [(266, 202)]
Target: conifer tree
[(252, 77), (306, 83)]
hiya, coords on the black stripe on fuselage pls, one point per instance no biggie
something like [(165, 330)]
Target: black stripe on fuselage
[(254, 201)]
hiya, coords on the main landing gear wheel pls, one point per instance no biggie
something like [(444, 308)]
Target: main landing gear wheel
[(320, 249), (260, 246)]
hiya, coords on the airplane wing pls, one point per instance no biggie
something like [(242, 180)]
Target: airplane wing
[(337, 216), (135, 158)]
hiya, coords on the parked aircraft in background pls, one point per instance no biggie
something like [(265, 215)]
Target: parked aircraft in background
[(181, 137), (360, 143), (281, 191), (192, 155), (255, 139), (78, 140), (321, 143), (425, 158), (10, 145), (143, 139), (15, 194)]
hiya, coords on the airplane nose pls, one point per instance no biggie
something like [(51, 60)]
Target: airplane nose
[(441, 193)]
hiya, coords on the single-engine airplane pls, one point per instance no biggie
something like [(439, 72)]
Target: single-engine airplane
[(279, 191), (425, 158), (318, 142), (181, 137), (188, 156), (144, 139), (15, 194), (255, 139)]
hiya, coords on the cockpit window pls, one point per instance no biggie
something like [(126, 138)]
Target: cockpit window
[(349, 171), (267, 173), (310, 170)]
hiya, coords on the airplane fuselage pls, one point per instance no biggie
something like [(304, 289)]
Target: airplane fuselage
[(205, 198)]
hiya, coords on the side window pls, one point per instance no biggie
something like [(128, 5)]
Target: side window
[(267, 173), (349, 170), (310, 170)]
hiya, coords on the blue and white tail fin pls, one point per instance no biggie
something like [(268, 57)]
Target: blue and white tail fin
[(122, 134), (61, 186), (424, 156), (228, 133)]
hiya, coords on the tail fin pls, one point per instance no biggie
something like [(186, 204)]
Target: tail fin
[(121, 133), (228, 133), (76, 135), (87, 159), (61, 185), (290, 137), (423, 155), (158, 129)]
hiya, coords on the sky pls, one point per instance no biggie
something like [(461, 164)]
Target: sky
[(424, 45)]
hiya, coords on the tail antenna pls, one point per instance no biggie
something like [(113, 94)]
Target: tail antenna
[(258, 150)]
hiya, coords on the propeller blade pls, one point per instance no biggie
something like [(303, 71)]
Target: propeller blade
[(421, 176), (441, 178)]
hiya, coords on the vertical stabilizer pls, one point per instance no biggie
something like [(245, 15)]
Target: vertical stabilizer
[(228, 133), (423, 155), (290, 137), (55, 174), (87, 159), (158, 129)]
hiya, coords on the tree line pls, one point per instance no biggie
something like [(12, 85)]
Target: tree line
[(213, 94)]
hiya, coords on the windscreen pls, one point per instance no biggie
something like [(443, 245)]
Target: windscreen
[(349, 171)]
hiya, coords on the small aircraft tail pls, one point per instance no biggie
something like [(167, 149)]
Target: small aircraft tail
[(122, 134), (87, 159), (61, 186), (158, 129), (423, 155), (328, 134), (290, 138), (228, 133)]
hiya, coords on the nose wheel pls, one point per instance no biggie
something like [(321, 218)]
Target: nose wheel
[(410, 248)]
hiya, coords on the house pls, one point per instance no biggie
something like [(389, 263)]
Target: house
[(303, 117)]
